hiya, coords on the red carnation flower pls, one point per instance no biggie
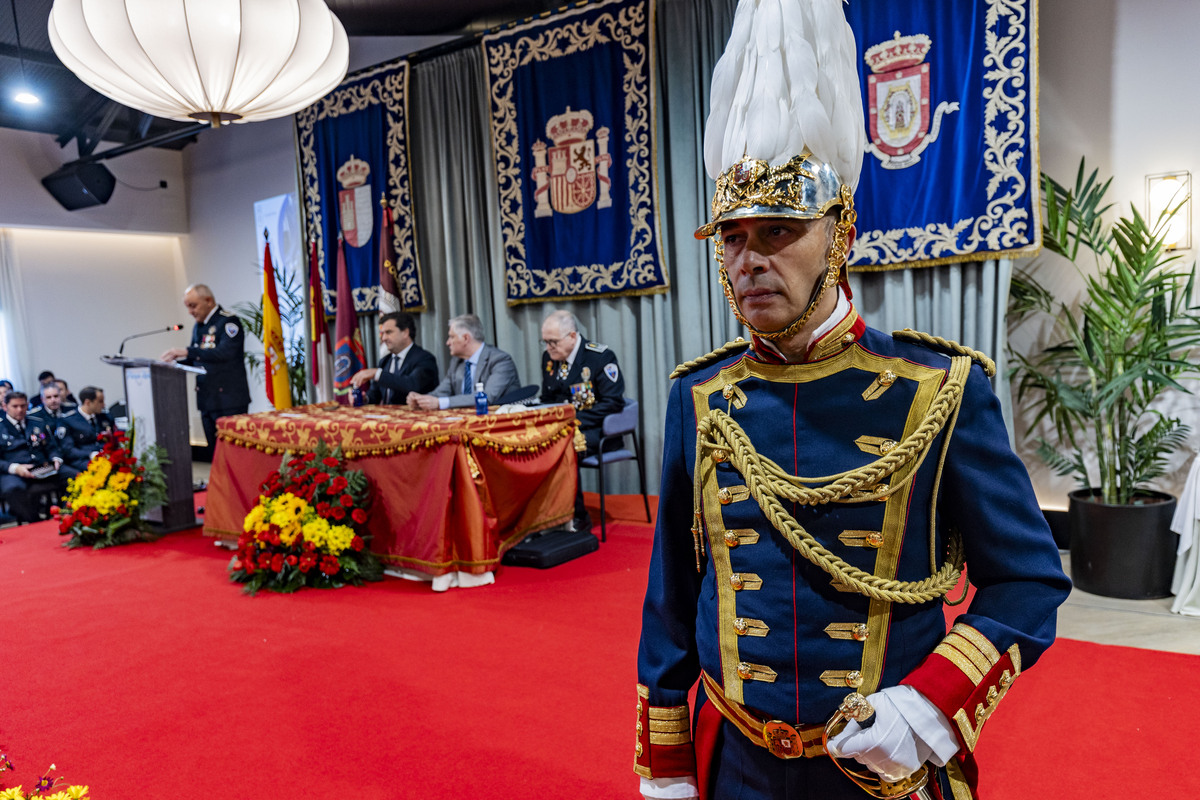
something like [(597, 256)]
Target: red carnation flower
[(323, 508), (357, 543), (291, 561), (322, 477), (329, 565), (329, 461), (338, 513), (359, 516), (309, 457), (338, 484), (346, 500), (277, 562)]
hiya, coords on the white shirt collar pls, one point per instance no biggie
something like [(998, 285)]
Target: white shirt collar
[(403, 352), (210, 315), (575, 349)]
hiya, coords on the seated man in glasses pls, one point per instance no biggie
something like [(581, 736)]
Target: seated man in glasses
[(586, 375)]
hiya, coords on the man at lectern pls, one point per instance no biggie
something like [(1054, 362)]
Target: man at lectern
[(218, 345)]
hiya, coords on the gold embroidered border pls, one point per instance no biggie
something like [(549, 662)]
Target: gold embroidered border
[(1010, 59), (389, 87), (582, 281)]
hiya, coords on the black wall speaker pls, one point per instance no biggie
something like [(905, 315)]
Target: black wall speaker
[(80, 185)]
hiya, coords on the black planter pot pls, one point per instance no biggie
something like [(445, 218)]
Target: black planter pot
[(1125, 551)]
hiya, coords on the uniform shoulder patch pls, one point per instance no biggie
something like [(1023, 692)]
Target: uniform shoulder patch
[(231, 329), (946, 346), (716, 355), (596, 347)]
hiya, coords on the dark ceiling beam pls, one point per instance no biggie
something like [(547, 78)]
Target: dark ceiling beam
[(33, 56), (154, 141), (83, 117), (88, 146)]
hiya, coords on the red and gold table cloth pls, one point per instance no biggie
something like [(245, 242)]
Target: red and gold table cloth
[(451, 491)]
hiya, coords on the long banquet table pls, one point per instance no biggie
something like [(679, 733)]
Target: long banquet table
[(451, 491)]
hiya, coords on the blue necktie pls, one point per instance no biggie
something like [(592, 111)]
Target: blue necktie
[(467, 388)]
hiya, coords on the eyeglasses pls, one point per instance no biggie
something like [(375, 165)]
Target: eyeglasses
[(554, 342)]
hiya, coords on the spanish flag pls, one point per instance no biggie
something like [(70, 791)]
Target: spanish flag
[(279, 386)]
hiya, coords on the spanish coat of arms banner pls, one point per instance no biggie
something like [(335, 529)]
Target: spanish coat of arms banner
[(573, 140), (354, 155), (951, 171)]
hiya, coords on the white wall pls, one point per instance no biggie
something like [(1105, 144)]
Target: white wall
[(26, 158), (1116, 87), (85, 292)]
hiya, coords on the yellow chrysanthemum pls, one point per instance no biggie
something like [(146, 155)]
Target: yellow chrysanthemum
[(120, 482), (339, 539), (14, 793), (77, 792)]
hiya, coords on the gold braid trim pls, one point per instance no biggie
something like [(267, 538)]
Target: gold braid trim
[(768, 484), (909, 335), (716, 355)]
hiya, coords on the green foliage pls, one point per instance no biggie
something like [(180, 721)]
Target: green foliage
[(1121, 349), (291, 292)]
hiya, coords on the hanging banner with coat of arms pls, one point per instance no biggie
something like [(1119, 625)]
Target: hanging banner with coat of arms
[(951, 171), (573, 139), (353, 155)]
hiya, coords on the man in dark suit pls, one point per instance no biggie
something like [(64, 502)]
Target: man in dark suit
[(585, 374), (406, 368), (51, 410), (472, 362), (218, 345), (79, 443), (25, 445)]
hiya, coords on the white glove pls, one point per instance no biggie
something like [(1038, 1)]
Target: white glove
[(908, 731), (669, 788)]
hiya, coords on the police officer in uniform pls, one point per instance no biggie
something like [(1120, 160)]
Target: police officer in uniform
[(26, 444), (585, 374), (823, 485), (82, 428), (218, 345)]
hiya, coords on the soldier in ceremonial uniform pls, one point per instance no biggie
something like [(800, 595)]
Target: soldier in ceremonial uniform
[(218, 345), (585, 374), (823, 485), (81, 429), (27, 444)]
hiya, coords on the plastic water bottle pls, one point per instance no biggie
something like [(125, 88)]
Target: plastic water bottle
[(481, 400)]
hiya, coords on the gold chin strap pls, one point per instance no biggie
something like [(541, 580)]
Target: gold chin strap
[(839, 251)]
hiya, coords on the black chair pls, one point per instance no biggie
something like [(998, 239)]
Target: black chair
[(615, 427), (526, 395)]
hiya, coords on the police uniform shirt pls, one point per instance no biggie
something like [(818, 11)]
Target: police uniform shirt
[(591, 379), (218, 345)]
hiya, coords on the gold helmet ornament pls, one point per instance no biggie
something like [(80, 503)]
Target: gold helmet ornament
[(785, 135)]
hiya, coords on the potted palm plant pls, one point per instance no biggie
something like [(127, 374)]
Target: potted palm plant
[(1099, 386)]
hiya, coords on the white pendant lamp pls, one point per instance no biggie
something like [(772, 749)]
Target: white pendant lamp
[(217, 61)]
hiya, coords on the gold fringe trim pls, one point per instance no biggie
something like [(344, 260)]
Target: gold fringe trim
[(709, 358)]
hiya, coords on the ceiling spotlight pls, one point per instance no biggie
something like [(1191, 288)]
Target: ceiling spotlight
[(27, 98)]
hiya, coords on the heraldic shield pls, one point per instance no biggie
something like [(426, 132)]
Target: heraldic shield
[(898, 105), (354, 202), (574, 176)]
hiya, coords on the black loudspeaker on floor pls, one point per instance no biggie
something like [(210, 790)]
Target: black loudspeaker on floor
[(551, 548)]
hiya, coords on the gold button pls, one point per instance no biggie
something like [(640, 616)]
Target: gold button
[(854, 679), (724, 496), (720, 456), (887, 378), (639, 728), (735, 580), (860, 632), (639, 748), (727, 392), (744, 670), (848, 338), (731, 539), (887, 447), (980, 714), (639, 708), (875, 539), (739, 625)]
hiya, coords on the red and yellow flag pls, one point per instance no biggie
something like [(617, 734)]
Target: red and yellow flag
[(279, 386)]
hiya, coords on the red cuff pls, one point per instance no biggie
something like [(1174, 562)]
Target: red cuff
[(664, 740)]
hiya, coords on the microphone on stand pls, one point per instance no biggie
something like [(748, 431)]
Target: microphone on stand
[(167, 329)]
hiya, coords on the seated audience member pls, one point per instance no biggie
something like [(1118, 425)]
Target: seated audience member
[(79, 442), (26, 444), (586, 375), (471, 362), (51, 411), (5, 388), (68, 399), (45, 378), (406, 368)]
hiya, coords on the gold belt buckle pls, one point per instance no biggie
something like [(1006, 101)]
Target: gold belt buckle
[(783, 741)]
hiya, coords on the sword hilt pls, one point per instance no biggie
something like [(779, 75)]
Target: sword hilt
[(858, 708)]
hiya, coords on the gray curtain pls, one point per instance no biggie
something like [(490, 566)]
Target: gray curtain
[(461, 252)]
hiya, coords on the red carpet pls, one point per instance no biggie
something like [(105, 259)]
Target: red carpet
[(142, 672)]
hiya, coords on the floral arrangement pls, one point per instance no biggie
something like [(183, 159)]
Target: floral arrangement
[(106, 501), (41, 788), (306, 529)]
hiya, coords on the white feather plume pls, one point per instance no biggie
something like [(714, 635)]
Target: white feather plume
[(787, 81)]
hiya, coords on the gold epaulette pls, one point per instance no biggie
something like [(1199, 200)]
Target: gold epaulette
[(954, 348), (722, 351)]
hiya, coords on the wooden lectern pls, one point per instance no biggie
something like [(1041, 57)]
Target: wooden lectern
[(157, 403)]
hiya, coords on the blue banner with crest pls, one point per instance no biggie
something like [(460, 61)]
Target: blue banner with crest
[(573, 141), (354, 155), (951, 171)]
